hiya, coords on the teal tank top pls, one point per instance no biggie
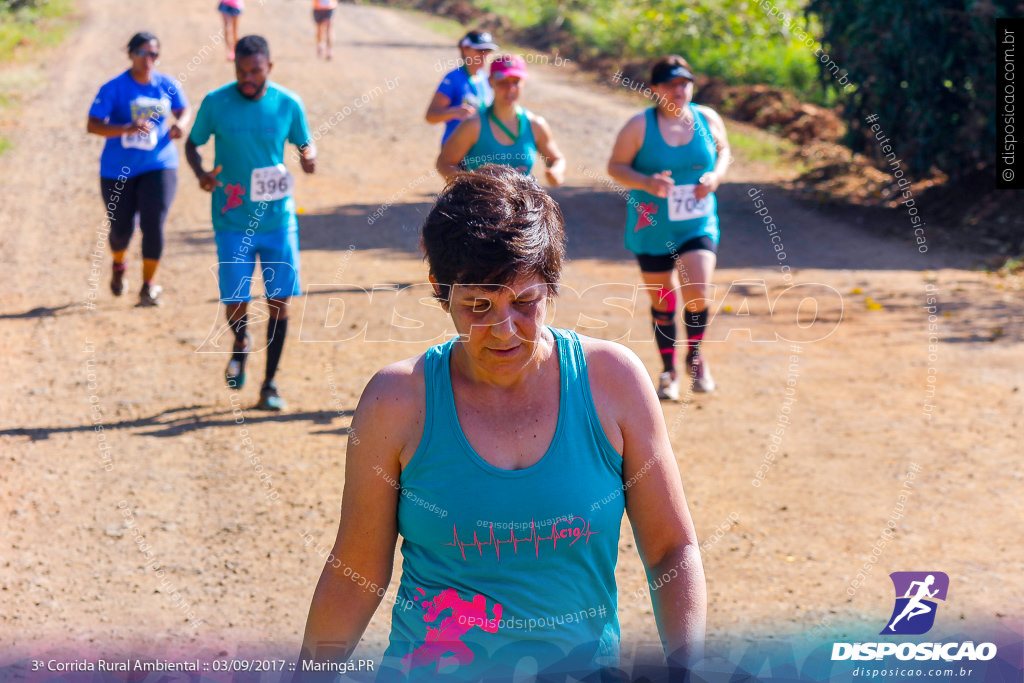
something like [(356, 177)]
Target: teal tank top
[(507, 571), (656, 225), (520, 155)]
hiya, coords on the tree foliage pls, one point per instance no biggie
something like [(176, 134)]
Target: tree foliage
[(735, 40), (926, 68)]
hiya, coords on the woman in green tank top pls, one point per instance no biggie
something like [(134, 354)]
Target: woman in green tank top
[(672, 157), (503, 133), (505, 458)]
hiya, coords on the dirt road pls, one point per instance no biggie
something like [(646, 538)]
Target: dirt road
[(849, 406)]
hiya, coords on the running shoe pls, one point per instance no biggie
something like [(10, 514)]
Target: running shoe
[(117, 279), (668, 386), (270, 399), (701, 375), (319, 49), (330, 53), (235, 373), (149, 295)]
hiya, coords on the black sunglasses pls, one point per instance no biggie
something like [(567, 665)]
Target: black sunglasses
[(147, 53)]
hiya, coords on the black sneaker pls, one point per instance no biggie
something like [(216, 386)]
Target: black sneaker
[(234, 375), (149, 295), (117, 279), (270, 399)]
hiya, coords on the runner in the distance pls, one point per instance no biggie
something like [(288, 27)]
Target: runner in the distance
[(323, 17), (503, 133), (252, 206), (541, 427), (464, 90), (673, 157), (230, 10), (139, 164)]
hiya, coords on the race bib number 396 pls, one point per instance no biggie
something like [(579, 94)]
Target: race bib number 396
[(270, 183), (684, 206)]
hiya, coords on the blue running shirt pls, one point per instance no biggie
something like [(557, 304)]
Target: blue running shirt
[(459, 87), (507, 568), (123, 100), (249, 136), (658, 225)]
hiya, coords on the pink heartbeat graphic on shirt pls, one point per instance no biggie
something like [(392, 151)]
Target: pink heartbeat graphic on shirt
[(570, 530), (447, 637)]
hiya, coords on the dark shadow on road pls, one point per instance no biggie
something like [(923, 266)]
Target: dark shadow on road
[(45, 311), (794, 236), (158, 425)]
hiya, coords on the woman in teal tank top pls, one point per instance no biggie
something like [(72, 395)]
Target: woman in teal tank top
[(672, 157), (505, 459), (503, 133)]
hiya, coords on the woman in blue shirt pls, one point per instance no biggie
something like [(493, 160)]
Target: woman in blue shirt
[(138, 167), (464, 89), (505, 459)]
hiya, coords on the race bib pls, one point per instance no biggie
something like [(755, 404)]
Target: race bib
[(143, 141), (270, 183), (323, 4), (683, 205)]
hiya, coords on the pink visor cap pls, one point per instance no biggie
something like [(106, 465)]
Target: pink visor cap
[(508, 66)]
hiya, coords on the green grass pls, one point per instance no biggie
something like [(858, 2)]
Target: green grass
[(735, 40), (1012, 266), (34, 24), (26, 28), (767, 149)]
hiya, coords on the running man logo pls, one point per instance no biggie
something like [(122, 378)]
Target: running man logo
[(916, 593), (235, 193), (444, 644)]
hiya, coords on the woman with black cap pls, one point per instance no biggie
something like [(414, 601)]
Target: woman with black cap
[(464, 90), (672, 157), (139, 164)]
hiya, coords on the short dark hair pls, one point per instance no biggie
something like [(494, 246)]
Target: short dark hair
[(140, 39), (491, 226), (248, 46)]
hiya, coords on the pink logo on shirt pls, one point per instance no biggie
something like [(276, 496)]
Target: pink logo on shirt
[(643, 215), (444, 644), (234, 193)]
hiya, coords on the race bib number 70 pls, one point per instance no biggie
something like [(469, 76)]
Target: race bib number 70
[(684, 206), (270, 183)]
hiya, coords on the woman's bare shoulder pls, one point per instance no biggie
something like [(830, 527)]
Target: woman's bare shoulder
[(614, 370)]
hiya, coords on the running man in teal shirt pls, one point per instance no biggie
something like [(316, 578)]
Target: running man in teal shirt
[(252, 206)]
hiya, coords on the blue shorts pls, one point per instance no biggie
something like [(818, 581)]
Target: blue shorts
[(278, 253), (228, 10)]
